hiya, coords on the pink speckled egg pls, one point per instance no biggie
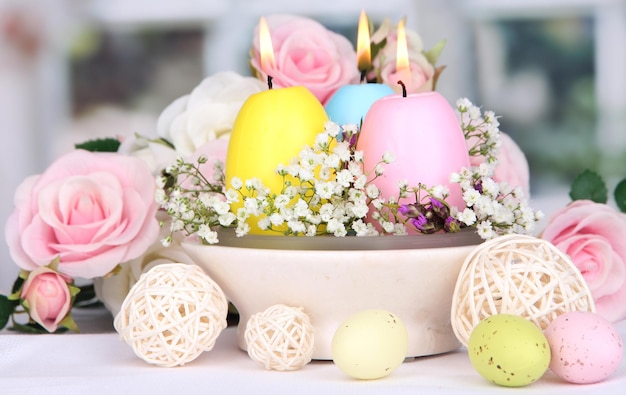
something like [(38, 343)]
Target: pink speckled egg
[(585, 347)]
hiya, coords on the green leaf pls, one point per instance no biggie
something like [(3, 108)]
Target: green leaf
[(100, 145), (433, 54), (620, 195), (68, 322), (6, 309), (376, 48), (33, 328), (436, 75), (589, 185), (83, 294), (17, 285)]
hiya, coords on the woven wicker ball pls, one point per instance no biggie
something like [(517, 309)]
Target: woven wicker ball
[(172, 314), (517, 274), (280, 338)]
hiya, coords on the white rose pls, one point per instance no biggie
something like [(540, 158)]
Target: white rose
[(207, 113), (113, 290), (156, 154), (190, 121)]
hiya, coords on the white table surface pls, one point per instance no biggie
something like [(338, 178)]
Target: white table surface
[(99, 362)]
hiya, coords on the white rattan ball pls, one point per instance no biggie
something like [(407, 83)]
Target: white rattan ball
[(517, 274), (280, 338), (172, 314)]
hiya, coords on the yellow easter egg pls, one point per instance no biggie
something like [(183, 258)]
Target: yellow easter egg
[(370, 344), (509, 350)]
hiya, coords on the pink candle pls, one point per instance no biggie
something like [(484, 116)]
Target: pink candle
[(423, 133), (421, 130)]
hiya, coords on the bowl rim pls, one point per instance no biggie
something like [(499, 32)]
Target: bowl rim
[(227, 238)]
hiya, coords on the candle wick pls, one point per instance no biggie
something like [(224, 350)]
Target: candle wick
[(403, 88), (269, 82), (363, 75)]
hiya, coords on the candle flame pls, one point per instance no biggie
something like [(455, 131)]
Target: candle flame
[(363, 51), (267, 51), (402, 53)]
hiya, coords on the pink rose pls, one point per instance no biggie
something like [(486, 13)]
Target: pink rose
[(47, 296), (93, 210), (307, 54), (594, 236), (420, 78), (512, 164)]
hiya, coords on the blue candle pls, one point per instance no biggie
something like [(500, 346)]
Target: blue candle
[(350, 103)]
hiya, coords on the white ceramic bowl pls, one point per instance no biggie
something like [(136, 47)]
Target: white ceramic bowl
[(332, 278)]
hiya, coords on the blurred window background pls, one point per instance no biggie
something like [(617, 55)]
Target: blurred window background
[(71, 70)]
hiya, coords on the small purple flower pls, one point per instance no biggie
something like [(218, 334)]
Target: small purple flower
[(479, 186), (404, 209), (420, 222), (436, 203), (439, 208), (451, 225)]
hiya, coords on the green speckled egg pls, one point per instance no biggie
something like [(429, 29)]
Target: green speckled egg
[(509, 350)]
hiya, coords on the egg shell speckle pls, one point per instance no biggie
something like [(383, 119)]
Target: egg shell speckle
[(509, 350), (586, 348), (370, 344)]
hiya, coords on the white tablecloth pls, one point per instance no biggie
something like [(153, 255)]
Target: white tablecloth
[(99, 362)]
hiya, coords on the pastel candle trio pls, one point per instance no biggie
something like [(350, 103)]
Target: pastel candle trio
[(420, 129)]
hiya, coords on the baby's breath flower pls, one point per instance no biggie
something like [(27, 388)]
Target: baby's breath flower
[(474, 112), (439, 192), (388, 157), (264, 223), (205, 232), (324, 189), (372, 191), (276, 219), (297, 226), (232, 196), (359, 210), (167, 241), (242, 229), (388, 227), (236, 183), (160, 197), (342, 151), (471, 196), (325, 173), (252, 206), (378, 203), (463, 104), (301, 209), (350, 128), (467, 216), (227, 219), (485, 230), (344, 178), (306, 174)]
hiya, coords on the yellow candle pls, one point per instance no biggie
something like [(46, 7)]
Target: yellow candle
[(272, 128)]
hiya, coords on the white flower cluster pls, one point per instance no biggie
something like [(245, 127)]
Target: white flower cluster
[(325, 190), (493, 208)]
